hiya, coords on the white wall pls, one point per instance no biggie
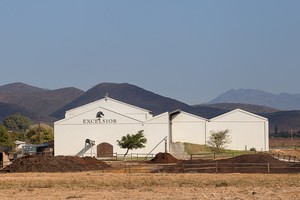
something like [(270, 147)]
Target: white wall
[(245, 129), (156, 129), (113, 105), (244, 135), (70, 133), (70, 140), (188, 128)]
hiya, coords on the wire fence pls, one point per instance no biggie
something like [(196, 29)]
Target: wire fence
[(213, 156), (215, 167), (132, 156), (219, 167)]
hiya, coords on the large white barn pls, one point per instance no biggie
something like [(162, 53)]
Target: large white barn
[(93, 129)]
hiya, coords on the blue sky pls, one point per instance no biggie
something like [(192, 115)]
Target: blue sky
[(189, 50)]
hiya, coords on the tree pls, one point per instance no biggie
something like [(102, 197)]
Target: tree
[(132, 141), (4, 137), (17, 123), (218, 140), (276, 130), (40, 133)]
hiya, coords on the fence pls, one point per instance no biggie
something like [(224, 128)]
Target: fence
[(219, 167), (215, 155), (132, 156), (286, 158)]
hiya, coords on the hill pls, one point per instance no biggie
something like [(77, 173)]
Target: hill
[(248, 107), (284, 120), (39, 102), (10, 109), (282, 101), (127, 93), (50, 105)]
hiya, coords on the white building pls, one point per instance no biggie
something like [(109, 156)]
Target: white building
[(105, 121)]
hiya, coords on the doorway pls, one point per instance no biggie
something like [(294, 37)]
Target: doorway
[(104, 150)]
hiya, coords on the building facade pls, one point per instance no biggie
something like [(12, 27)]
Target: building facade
[(93, 129)]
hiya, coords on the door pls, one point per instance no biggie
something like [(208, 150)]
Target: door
[(104, 150)]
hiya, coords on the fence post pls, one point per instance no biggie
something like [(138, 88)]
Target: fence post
[(234, 167), (216, 167), (182, 168), (268, 167), (191, 156)]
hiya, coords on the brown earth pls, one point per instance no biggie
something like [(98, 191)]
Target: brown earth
[(49, 163), (163, 158), (162, 162), (248, 163)]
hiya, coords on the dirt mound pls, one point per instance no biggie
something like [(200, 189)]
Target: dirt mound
[(252, 158), (49, 163), (248, 163), (163, 158)]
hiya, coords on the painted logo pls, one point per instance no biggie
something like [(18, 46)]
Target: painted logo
[(99, 119), (100, 114)]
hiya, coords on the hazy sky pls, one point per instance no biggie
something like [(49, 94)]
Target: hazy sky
[(188, 50)]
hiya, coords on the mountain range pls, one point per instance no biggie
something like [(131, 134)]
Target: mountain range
[(283, 101), (50, 105)]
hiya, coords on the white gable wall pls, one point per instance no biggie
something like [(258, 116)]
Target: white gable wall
[(70, 133), (188, 128), (156, 129), (246, 130), (112, 104)]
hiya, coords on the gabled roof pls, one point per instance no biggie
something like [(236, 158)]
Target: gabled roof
[(177, 112), (241, 111), (110, 99), (157, 117), (120, 114)]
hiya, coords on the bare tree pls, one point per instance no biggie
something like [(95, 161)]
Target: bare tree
[(218, 140)]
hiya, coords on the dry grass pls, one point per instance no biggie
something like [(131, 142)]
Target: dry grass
[(98, 180), (284, 142), (97, 185)]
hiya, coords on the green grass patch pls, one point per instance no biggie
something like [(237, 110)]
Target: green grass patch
[(190, 148)]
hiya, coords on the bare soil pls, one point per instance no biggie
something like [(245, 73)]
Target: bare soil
[(163, 158), (49, 163), (162, 162)]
